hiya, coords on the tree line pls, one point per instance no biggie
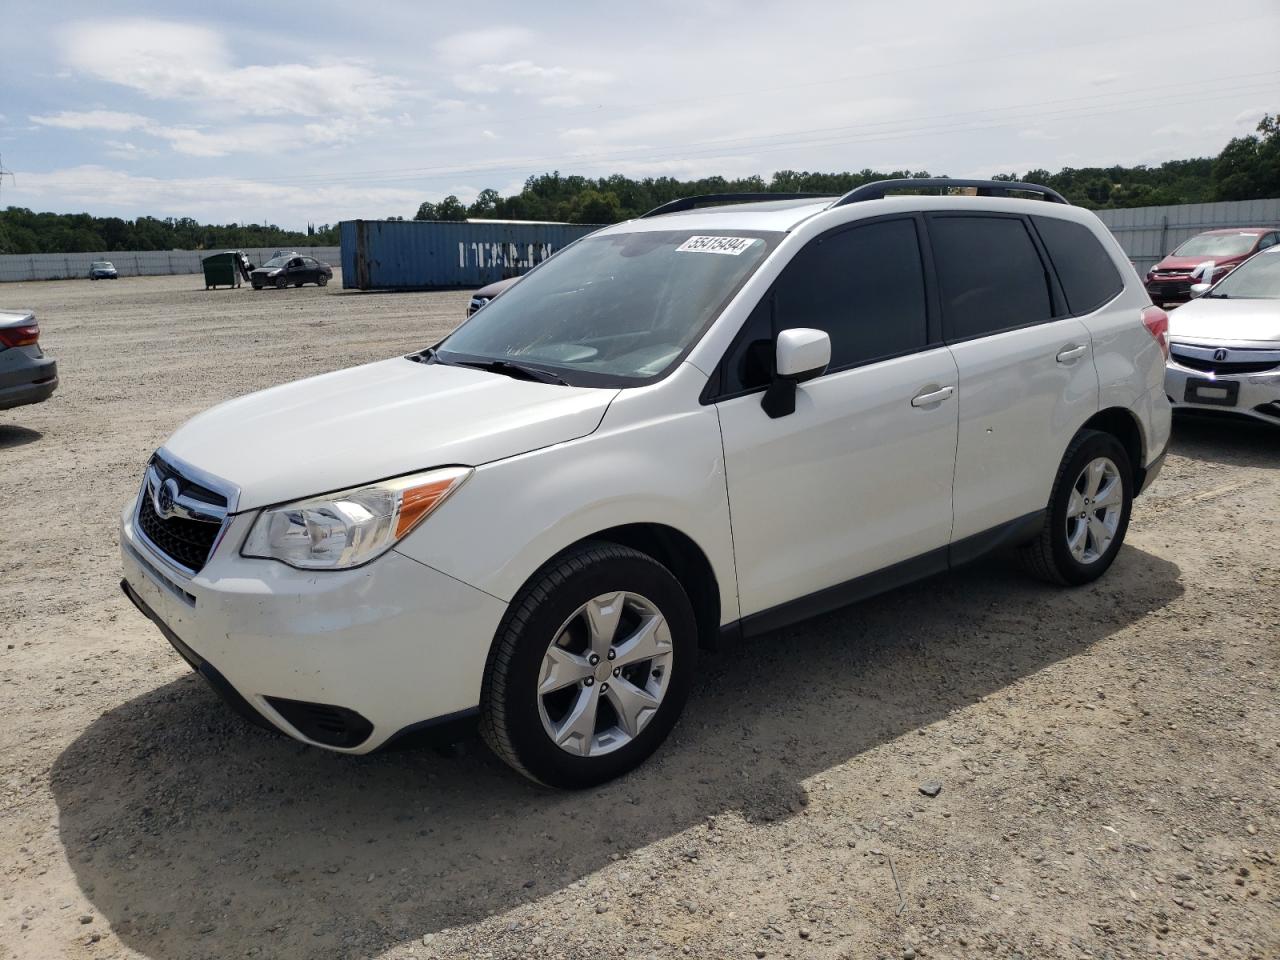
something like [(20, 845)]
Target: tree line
[(1248, 168), (22, 231)]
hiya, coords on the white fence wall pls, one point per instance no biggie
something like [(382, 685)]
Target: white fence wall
[(1149, 234), (132, 263)]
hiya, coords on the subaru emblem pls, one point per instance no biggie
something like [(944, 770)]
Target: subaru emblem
[(165, 495)]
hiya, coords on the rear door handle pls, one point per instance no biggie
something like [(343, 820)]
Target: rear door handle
[(932, 396), (1074, 352)]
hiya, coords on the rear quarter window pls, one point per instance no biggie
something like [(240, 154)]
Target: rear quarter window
[(1088, 276)]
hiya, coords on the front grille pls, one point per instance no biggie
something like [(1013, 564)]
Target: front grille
[(1226, 367), (189, 528), (186, 541)]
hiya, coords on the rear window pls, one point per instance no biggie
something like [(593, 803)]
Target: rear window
[(1088, 276), (990, 275)]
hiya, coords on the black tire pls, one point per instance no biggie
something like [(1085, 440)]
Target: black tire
[(509, 704), (1049, 557), (282, 283), (322, 280)]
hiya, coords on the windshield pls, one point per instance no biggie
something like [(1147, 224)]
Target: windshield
[(614, 310), (1217, 245), (101, 263), (277, 262), (1256, 279)]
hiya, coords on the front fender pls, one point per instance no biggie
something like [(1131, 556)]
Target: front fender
[(640, 466)]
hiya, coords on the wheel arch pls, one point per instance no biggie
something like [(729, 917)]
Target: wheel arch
[(1124, 426), (680, 554)]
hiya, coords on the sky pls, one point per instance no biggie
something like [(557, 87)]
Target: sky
[(315, 112)]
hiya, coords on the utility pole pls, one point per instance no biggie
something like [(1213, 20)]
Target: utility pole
[(5, 173)]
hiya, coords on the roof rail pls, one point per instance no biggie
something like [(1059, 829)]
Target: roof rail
[(688, 203), (986, 188)]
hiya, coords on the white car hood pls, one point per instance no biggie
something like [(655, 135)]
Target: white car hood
[(1213, 320), (380, 420)]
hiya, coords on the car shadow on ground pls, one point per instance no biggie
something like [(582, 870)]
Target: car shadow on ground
[(15, 436), (187, 829), (1228, 440)]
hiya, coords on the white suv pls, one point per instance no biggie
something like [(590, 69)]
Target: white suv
[(705, 423)]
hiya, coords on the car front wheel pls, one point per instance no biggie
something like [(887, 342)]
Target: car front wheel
[(322, 280), (282, 283), (590, 668)]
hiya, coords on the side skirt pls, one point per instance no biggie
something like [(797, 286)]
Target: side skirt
[(1014, 533)]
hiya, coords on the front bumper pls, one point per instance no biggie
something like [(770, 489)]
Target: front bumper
[(1170, 289), (1254, 395), (346, 660)]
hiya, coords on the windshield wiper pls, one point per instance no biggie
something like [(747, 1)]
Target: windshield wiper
[(517, 371)]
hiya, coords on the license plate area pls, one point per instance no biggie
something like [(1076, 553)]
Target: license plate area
[(1222, 393)]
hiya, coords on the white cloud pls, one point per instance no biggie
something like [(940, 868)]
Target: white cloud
[(204, 142), (518, 75), (182, 62), (211, 198), (478, 46), (93, 120)]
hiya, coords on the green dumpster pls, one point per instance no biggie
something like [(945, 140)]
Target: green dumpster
[(222, 269)]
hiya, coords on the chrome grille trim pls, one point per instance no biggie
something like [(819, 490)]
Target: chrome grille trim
[(184, 506)]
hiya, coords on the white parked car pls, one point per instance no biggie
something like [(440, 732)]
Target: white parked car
[(1225, 344), (707, 422)]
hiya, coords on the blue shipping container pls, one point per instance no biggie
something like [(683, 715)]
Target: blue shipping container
[(426, 255)]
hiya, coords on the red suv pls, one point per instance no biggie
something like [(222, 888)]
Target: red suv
[(1169, 281)]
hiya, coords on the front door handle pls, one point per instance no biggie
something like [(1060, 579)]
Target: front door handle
[(930, 397), (1073, 352)]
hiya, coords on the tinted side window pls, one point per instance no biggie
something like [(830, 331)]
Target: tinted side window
[(864, 286), (990, 275), (1088, 277)]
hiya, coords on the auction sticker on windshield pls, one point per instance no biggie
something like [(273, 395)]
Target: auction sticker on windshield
[(727, 245)]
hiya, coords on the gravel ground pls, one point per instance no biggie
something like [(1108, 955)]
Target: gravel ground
[(1107, 757)]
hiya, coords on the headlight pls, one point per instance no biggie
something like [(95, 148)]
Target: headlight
[(345, 529)]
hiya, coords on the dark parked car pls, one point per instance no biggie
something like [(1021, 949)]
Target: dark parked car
[(26, 374), (291, 270), (1170, 280), (485, 294), (103, 270)]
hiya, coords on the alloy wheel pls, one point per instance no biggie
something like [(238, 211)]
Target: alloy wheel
[(1093, 510), (604, 674)]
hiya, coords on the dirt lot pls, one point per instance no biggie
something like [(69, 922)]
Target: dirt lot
[(1109, 757)]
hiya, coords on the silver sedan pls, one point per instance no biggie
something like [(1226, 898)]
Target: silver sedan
[(1225, 344)]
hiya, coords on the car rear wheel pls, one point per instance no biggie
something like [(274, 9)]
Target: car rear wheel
[(1088, 514), (590, 668)]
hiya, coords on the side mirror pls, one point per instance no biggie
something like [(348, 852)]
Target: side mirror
[(800, 354), (1200, 289)]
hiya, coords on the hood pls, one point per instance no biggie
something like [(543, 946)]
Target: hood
[(495, 288), (1190, 263), (380, 420), (1210, 320)]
